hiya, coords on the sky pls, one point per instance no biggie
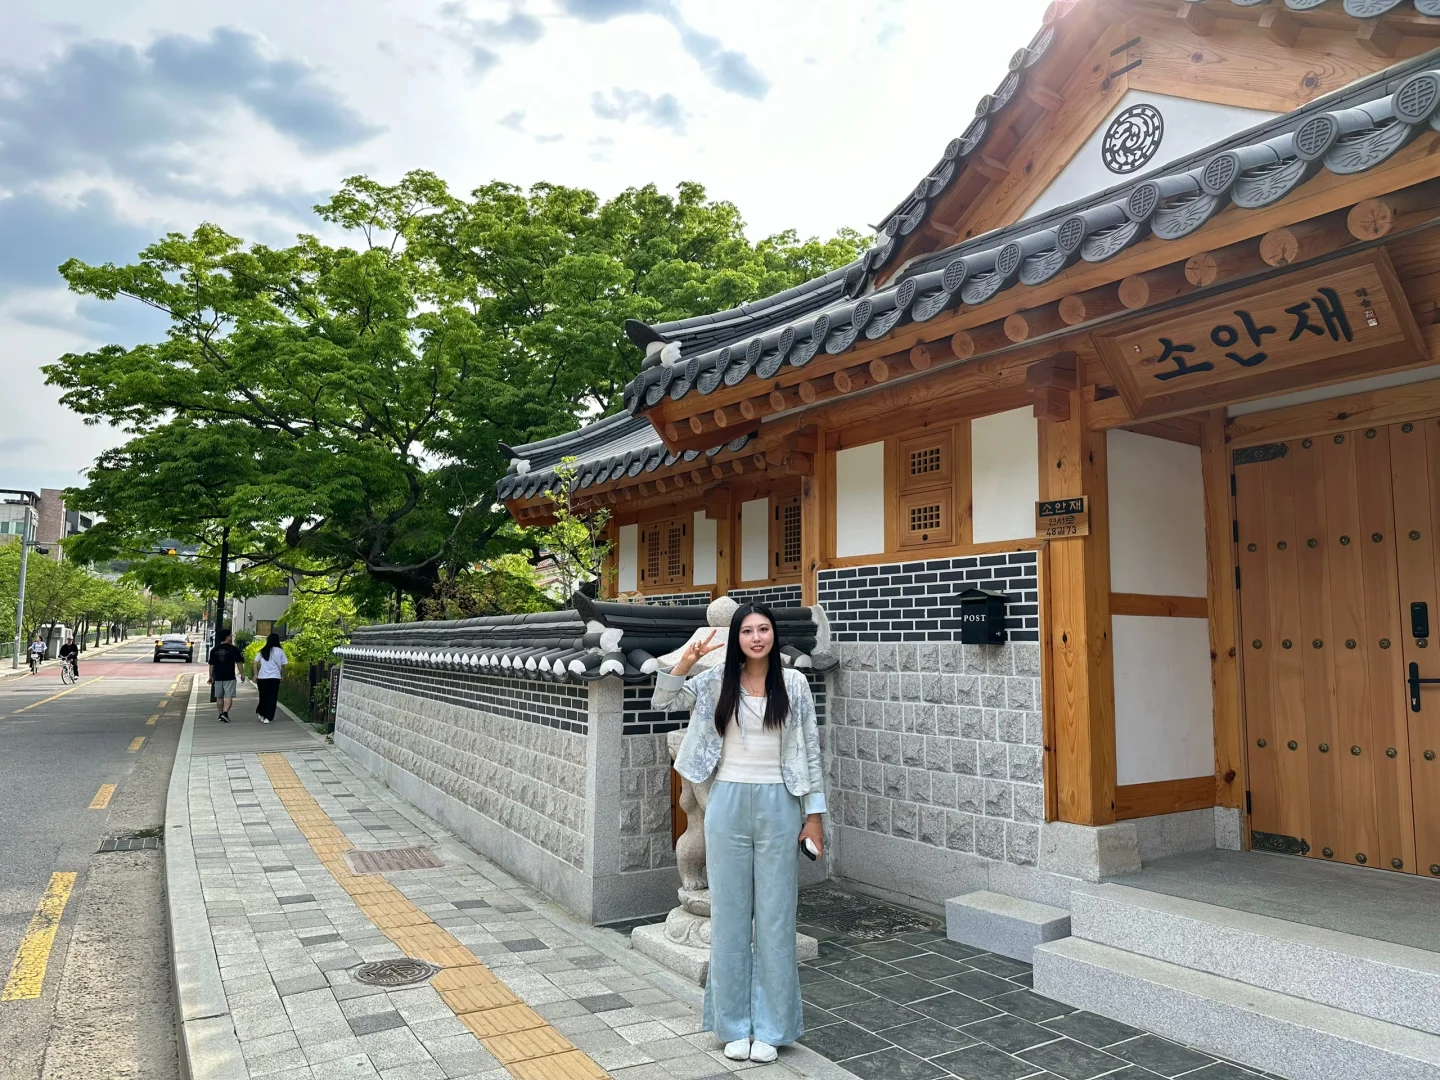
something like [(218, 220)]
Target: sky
[(121, 122)]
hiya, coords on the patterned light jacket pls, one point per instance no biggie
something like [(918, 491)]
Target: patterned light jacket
[(700, 752)]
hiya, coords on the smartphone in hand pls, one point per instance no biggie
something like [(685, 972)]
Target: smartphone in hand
[(808, 847)]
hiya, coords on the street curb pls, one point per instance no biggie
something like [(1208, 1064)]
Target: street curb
[(205, 1033)]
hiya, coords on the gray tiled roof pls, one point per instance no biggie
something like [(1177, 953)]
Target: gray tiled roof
[(603, 451), (593, 640), (1349, 131)]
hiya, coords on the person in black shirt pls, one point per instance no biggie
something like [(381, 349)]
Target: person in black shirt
[(71, 652), (226, 664)]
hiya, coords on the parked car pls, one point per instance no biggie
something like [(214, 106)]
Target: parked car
[(174, 647)]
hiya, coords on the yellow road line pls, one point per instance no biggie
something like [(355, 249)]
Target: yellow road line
[(61, 694), (518, 1036), (102, 797), (151, 721), (136, 743), (27, 973)]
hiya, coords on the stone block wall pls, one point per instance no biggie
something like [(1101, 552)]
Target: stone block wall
[(511, 749), (771, 595), (645, 824)]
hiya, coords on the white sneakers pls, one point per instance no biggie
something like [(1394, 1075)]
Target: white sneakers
[(741, 1049)]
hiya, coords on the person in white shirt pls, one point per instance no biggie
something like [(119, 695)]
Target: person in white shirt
[(752, 726), (269, 663)]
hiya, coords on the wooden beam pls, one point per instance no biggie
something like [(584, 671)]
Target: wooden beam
[(1378, 39), (1222, 264), (1224, 614), (980, 339), (1052, 381), (1037, 322), (1392, 405), (1197, 17), (1155, 286), (1372, 219), (1091, 304), (1176, 429), (1305, 240), (1042, 95), (1171, 607), (1164, 797), (1280, 26), (1072, 463)]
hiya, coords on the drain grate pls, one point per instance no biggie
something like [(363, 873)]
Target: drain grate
[(388, 859), (858, 916), (402, 972), (129, 843)]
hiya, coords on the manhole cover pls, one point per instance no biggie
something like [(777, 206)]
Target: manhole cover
[(401, 972), (858, 916), (129, 843), (388, 859)]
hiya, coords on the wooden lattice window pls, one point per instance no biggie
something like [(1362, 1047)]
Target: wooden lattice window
[(926, 490), (664, 559), (785, 545)]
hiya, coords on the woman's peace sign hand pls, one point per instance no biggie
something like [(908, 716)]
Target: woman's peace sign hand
[(694, 650)]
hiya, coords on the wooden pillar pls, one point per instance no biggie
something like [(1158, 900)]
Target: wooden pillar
[(1077, 630), (722, 508), (610, 566), (1220, 589), (814, 494)]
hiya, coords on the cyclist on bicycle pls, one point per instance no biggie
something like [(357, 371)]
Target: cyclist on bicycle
[(70, 656), (37, 654)]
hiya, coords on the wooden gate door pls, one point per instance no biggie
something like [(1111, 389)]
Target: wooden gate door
[(1324, 649), (1415, 467)]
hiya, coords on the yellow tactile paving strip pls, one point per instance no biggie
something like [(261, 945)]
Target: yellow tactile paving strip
[(518, 1036)]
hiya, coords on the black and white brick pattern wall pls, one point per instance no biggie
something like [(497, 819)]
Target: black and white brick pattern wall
[(511, 765), (559, 705), (915, 601), (770, 595), (940, 743)]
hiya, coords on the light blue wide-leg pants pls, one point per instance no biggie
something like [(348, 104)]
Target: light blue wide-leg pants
[(751, 843)]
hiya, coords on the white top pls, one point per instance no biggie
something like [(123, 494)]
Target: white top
[(270, 669), (750, 754)]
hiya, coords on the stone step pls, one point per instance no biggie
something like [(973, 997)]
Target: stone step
[(1003, 924), (1379, 979), (1289, 1036)]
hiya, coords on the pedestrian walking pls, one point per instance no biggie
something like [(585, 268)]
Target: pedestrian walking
[(227, 664), (752, 726), (269, 664)]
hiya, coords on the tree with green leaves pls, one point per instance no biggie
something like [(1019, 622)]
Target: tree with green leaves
[(336, 411)]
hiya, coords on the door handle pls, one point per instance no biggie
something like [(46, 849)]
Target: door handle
[(1415, 683)]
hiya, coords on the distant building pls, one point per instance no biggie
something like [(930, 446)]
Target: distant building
[(261, 614), (50, 521)]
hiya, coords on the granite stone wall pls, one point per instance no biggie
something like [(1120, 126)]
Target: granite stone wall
[(941, 744), (510, 749)]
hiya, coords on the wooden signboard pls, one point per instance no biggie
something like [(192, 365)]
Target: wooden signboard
[(1056, 518), (1344, 320)]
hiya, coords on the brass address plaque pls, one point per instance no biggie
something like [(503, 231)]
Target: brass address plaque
[(1056, 518)]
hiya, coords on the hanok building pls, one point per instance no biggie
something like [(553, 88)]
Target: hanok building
[(1114, 470)]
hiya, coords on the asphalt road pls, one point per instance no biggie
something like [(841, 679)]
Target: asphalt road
[(96, 1001)]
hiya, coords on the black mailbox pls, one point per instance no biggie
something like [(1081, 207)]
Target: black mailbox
[(982, 616)]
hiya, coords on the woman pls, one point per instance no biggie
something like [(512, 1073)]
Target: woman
[(268, 666), (752, 725)]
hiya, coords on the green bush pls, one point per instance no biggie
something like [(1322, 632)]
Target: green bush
[(243, 638)]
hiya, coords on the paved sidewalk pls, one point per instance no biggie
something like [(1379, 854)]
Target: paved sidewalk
[(527, 991)]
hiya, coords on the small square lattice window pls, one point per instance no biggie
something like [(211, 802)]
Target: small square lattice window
[(790, 534), (925, 518), (652, 557), (926, 460)]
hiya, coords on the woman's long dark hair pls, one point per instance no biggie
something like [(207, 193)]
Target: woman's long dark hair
[(777, 701), (270, 642)]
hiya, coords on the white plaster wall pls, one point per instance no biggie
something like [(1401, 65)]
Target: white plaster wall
[(1004, 475), (1189, 126), (1157, 516), (629, 560), (1164, 725), (705, 535), (860, 500), (1325, 393), (755, 540)]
